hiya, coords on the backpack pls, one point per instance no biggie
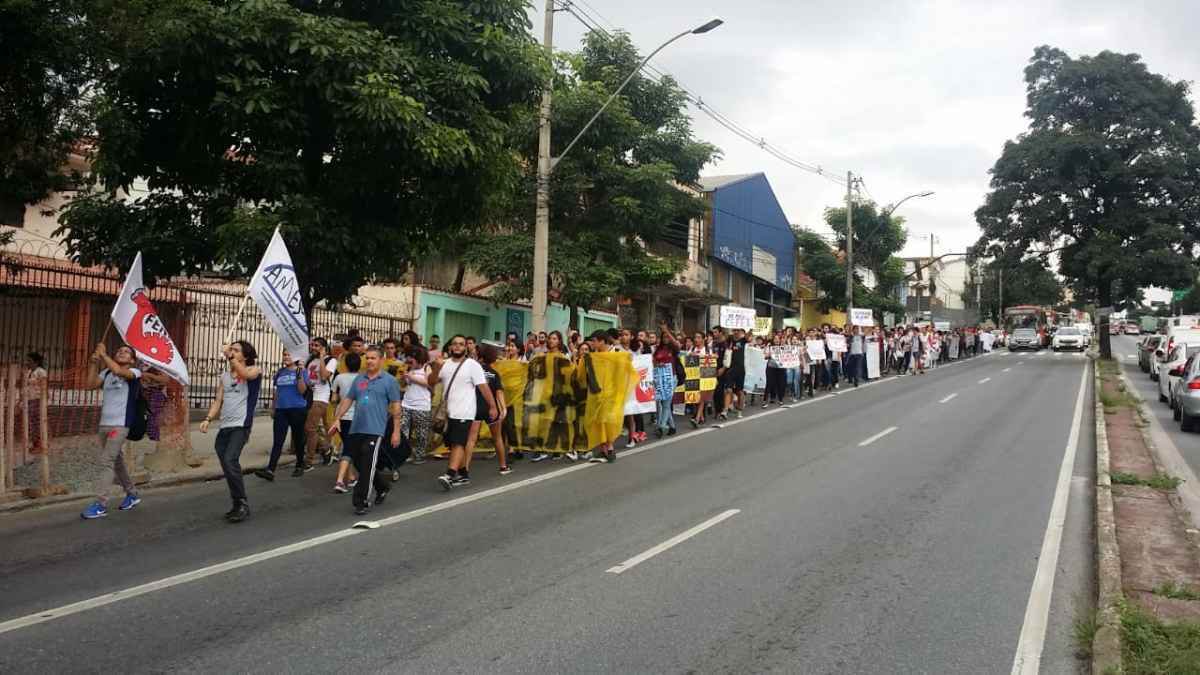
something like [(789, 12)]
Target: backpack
[(141, 413)]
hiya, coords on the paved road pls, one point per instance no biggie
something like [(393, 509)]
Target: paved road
[(896, 528)]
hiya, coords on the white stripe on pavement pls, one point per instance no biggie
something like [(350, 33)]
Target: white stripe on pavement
[(948, 397), (985, 380), (670, 543), (1028, 658), (1006, 370), (877, 436)]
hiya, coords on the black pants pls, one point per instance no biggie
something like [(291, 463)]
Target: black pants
[(776, 384), (364, 451), (285, 419), (854, 365), (229, 444)]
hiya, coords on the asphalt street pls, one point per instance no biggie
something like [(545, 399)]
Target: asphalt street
[(896, 528)]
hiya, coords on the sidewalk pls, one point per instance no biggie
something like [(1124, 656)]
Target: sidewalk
[(73, 469)]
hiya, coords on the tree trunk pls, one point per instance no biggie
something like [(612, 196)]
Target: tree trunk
[(573, 322), (458, 278), (1104, 295)]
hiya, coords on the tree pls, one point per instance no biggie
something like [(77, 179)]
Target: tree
[(613, 196), (878, 236), (370, 130), (1026, 282), (1107, 177)]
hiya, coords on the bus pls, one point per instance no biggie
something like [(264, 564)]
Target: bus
[(1040, 319)]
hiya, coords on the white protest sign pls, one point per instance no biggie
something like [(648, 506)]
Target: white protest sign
[(837, 343), (941, 326), (730, 317), (874, 353), (756, 369), (277, 293), (787, 356), (642, 400), (861, 317), (815, 349)]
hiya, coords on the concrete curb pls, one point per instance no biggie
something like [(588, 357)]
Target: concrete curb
[(171, 480), (1106, 644)]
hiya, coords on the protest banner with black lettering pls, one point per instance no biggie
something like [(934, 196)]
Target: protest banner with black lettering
[(276, 291)]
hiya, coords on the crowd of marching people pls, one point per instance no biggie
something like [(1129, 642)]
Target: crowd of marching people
[(372, 408)]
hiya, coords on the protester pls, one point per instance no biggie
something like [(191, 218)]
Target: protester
[(667, 373), (855, 360), (460, 376), (418, 405), (235, 402), (342, 384), (321, 369), (488, 355), (435, 348), (289, 409), (376, 398), (33, 384), (776, 374), (119, 383), (605, 452)]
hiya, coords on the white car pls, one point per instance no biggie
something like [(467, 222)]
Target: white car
[(1068, 337), (1177, 356)]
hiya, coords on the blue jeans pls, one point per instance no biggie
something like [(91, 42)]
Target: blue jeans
[(666, 417), (790, 387)]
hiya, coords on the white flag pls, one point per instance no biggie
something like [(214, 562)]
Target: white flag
[(140, 327), (277, 293)]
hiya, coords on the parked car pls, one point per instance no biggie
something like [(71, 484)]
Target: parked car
[(1068, 337), (1024, 338), (1146, 349), (1133, 329), (1169, 367), (1186, 395), (1175, 335)]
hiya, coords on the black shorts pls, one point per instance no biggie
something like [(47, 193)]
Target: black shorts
[(481, 415), (457, 431), (734, 380)]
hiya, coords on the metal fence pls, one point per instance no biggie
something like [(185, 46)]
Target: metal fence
[(61, 310)]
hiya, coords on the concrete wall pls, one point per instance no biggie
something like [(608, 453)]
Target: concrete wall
[(442, 313)]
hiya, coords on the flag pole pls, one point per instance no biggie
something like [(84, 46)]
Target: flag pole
[(237, 317)]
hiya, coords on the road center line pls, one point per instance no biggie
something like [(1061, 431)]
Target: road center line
[(985, 380), (1006, 370), (948, 397), (670, 543), (877, 436), (1028, 658)]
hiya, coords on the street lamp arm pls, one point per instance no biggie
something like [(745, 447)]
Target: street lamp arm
[(555, 160), (931, 262), (888, 211)]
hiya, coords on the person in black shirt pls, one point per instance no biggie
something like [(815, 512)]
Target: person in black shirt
[(487, 356), (735, 377)]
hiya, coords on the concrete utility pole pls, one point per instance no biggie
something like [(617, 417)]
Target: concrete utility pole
[(849, 242), (1001, 293), (541, 227)]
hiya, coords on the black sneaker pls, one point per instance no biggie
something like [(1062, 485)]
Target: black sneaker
[(298, 471), (309, 467), (446, 481), (671, 431), (381, 496), (694, 423), (230, 512), (239, 513), (461, 481), (505, 470), (266, 474), (360, 510)]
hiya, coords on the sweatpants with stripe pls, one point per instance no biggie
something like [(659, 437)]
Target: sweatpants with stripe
[(363, 450)]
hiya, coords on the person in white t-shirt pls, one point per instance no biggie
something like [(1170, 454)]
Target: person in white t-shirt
[(120, 385), (417, 407), (460, 376), (341, 390), (321, 369)]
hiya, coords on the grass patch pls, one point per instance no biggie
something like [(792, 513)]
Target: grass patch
[(1118, 399), (1159, 481), (1108, 368), (1083, 631), (1151, 647), (1170, 589)]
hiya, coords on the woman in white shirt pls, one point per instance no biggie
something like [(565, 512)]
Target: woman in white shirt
[(341, 387), (417, 409)]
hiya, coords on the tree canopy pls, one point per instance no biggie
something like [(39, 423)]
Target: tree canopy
[(1026, 282), (612, 196), (370, 130), (1107, 177), (878, 236)]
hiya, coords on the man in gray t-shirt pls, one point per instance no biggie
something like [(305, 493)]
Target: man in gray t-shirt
[(235, 403), (120, 385)]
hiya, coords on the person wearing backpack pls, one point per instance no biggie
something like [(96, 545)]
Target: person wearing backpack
[(120, 385)]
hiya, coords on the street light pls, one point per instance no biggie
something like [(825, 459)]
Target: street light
[(888, 211), (546, 164)]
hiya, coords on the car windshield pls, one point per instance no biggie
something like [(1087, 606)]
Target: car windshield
[(1068, 331), (1023, 331)]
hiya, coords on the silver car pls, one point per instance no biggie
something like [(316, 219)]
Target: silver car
[(1024, 338), (1185, 395)]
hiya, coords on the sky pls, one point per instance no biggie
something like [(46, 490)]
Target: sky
[(912, 95)]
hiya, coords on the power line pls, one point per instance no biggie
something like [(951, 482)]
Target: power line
[(721, 119)]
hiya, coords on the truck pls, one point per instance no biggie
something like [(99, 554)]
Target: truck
[(1149, 324)]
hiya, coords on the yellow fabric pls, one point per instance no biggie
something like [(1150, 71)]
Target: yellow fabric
[(610, 379)]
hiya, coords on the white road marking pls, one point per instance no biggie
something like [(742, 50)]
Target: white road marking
[(1006, 370), (948, 397), (1028, 658), (1131, 356), (985, 380), (1020, 363), (263, 556), (877, 436), (671, 543)]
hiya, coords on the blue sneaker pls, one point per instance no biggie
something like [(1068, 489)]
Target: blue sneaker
[(96, 510), (131, 500)]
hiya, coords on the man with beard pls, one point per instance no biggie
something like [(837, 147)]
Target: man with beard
[(376, 399), (461, 377)]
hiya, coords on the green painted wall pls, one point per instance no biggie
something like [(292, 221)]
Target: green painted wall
[(444, 314)]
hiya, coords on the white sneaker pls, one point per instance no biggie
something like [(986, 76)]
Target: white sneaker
[(573, 456)]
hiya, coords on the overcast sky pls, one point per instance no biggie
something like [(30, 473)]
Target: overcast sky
[(911, 94)]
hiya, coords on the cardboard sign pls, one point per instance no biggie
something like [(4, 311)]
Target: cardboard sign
[(837, 343), (762, 325), (730, 317), (756, 369), (941, 325), (861, 317), (815, 349), (787, 356), (701, 379)]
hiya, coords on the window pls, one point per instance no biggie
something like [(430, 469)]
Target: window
[(12, 212)]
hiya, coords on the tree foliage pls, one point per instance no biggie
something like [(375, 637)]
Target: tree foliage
[(370, 130), (612, 196), (45, 61), (1107, 177), (1026, 282)]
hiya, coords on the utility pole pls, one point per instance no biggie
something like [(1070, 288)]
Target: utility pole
[(978, 292), (541, 231), (1000, 310), (849, 242)]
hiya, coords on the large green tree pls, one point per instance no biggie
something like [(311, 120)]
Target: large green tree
[(370, 130), (612, 196), (1026, 282), (878, 236), (1107, 178)]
